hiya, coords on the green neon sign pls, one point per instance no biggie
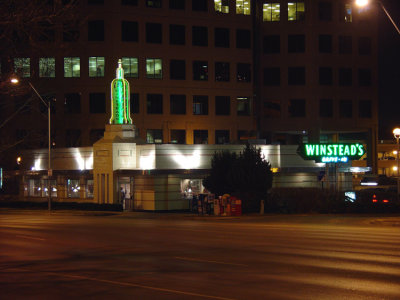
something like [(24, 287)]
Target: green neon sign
[(331, 153), (120, 102)]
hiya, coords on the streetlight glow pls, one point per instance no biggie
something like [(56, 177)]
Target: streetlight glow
[(14, 80), (362, 3)]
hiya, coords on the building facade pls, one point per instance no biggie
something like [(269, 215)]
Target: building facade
[(208, 72)]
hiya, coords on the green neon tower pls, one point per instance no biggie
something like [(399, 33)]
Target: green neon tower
[(120, 103)]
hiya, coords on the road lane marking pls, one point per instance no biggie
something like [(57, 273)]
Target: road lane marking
[(30, 237), (129, 284), (211, 261)]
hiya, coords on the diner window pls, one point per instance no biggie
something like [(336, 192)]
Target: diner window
[(177, 104), (365, 109), (345, 109), (243, 39), (243, 7), (154, 103), (154, 33), (178, 136), (90, 188), (222, 6), (221, 71), (131, 67), (200, 70), (272, 44), (47, 67), (177, 69), (346, 13), (154, 136), (296, 11), (243, 72), (72, 103), (297, 108), (154, 68), (22, 66), (96, 31), (200, 136), (135, 106), (221, 37), (97, 103), (129, 31), (271, 12), (154, 3), (200, 36), (272, 76), (326, 108), (73, 188), (243, 106), (221, 137), (72, 67), (222, 105), (96, 66), (52, 186), (345, 44), (296, 75), (34, 188), (177, 34), (296, 43), (200, 105)]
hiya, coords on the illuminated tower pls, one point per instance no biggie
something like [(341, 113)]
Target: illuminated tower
[(120, 104)]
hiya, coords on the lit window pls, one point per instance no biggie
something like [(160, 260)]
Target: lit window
[(154, 68), (72, 67), (47, 67), (22, 66), (243, 106), (154, 136), (73, 188), (271, 12), (222, 6), (130, 66), (243, 7), (96, 66), (296, 11), (346, 13)]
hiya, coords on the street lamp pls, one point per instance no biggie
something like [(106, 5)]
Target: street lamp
[(396, 133), (363, 3), (15, 80)]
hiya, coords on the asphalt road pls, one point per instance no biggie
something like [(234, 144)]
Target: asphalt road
[(67, 255)]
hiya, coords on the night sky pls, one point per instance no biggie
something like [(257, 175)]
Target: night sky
[(389, 70)]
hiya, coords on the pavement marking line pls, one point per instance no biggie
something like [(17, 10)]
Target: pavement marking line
[(30, 237), (128, 284), (211, 261)]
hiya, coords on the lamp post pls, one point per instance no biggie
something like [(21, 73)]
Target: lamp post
[(363, 3), (49, 171), (396, 133)]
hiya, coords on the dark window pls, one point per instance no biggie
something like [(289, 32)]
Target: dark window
[(153, 3), (72, 103), (325, 76), (153, 33), (272, 44), (345, 109), (129, 2), (345, 45), (325, 11), (364, 109), (297, 76), (222, 105), (345, 77), (200, 105), (70, 33), (178, 136), (46, 32), (134, 103), (177, 69), (200, 70), (221, 37), (364, 77), (95, 135), (96, 30), (325, 43), (154, 136), (199, 36), (95, 2), (200, 5), (23, 104), (97, 103), (364, 45), (73, 138), (243, 106), (272, 109), (326, 108), (154, 103), (272, 76), (129, 31), (243, 39), (176, 34), (177, 104), (243, 73), (200, 136), (177, 4), (222, 136), (297, 108), (50, 99), (221, 71), (296, 43)]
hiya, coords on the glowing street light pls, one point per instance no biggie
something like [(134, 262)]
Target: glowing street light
[(15, 80), (396, 133)]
